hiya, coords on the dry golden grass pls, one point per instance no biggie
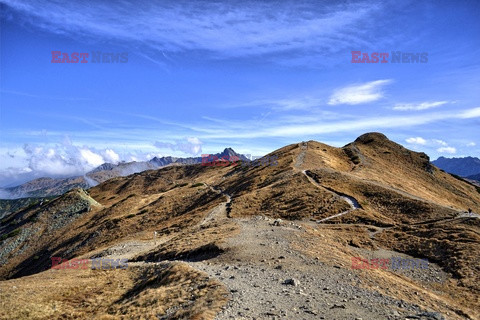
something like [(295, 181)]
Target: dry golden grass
[(391, 164), (168, 208), (193, 244), (290, 197), (455, 245), (449, 297), (139, 292)]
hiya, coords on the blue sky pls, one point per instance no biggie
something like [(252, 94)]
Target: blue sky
[(251, 75)]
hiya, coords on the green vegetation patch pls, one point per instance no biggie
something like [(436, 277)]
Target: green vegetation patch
[(10, 234), (199, 184)]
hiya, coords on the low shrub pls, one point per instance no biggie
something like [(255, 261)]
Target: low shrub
[(355, 159), (199, 184), (10, 234)]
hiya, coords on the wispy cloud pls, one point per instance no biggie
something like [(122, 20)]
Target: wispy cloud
[(359, 93), (285, 104), (38, 96), (192, 145), (426, 142), (470, 113), (226, 29), (319, 125), (418, 106)]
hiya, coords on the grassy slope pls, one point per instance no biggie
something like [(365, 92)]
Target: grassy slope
[(395, 186)]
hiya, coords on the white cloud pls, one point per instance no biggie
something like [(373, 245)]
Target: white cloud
[(90, 158), (450, 150), (418, 106), (111, 156), (440, 142), (360, 93), (60, 160), (469, 114), (194, 140), (192, 146), (433, 143), (417, 140), (471, 144)]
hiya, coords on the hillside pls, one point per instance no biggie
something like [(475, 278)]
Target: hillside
[(230, 239), (44, 187), (8, 206)]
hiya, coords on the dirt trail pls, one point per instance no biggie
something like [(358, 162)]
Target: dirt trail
[(128, 249), (222, 209), (468, 215), (350, 200), (301, 156)]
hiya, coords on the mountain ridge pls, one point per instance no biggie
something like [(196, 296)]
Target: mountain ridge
[(48, 187), (262, 224), (464, 167)]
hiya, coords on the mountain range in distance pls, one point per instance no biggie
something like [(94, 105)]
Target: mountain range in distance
[(466, 167), (46, 186)]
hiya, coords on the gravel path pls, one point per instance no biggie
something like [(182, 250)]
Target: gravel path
[(270, 280)]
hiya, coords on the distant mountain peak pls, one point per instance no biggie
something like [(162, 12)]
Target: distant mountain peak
[(105, 166), (466, 166), (229, 152)]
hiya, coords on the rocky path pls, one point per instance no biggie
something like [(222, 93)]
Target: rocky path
[(301, 155), (268, 279), (350, 200), (468, 215)]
